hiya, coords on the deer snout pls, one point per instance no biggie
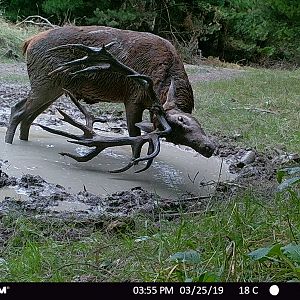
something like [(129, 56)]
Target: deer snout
[(209, 150), (206, 147)]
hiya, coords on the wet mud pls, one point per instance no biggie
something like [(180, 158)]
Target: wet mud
[(174, 172), (31, 195), (36, 181)]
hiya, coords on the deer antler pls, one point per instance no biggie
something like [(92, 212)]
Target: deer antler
[(90, 138), (99, 59), (95, 60)]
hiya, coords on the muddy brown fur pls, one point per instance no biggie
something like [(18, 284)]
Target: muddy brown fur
[(145, 53)]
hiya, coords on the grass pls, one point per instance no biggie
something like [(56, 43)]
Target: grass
[(263, 106), (219, 240), (12, 37), (215, 243), (14, 78)]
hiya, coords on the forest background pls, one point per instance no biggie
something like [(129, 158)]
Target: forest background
[(262, 32)]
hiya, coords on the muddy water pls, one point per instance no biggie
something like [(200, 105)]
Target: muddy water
[(174, 172)]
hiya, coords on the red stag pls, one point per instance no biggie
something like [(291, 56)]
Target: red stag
[(141, 70)]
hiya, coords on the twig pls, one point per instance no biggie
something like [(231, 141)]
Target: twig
[(220, 171), (193, 180), (182, 213), (169, 19), (195, 198), (219, 175), (256, 109), (234, 184), (232, 258), (261, 110), (44, 23)]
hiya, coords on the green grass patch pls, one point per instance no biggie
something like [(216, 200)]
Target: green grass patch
[(261, 105), (12, 38), (212, 246), (13, 78)]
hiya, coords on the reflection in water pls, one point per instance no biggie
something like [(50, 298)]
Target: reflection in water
[(168, 174), (172, 174)]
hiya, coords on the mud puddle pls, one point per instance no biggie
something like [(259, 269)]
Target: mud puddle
[(35, 180), (174, 173)]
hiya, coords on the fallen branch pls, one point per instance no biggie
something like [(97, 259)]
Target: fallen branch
[(257, 110), (197, 198), (261, 110), (182, 213), (45, 22)]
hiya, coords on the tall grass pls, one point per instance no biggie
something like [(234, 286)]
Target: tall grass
[(12, 37), (211, 246)]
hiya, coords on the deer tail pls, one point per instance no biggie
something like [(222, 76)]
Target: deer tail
[(25, 46)]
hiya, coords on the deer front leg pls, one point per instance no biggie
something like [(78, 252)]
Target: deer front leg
[(26, 123), (134, 114)]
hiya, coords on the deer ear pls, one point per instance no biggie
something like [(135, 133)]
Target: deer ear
[(145, 126), (170, 102)]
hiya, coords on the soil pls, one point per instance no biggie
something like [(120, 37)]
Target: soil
[(209, 73), (37, 198)]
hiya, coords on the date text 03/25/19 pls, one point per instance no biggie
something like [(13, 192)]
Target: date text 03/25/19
[(178, 290)]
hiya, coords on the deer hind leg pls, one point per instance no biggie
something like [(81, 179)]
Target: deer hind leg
[(26, 123), (16, 116), (25, 112)]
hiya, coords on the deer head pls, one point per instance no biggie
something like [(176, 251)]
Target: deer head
[(186, 130)]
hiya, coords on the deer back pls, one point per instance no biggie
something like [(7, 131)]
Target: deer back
[(145, 52)]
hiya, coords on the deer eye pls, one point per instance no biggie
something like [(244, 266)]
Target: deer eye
[(180, 119)]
